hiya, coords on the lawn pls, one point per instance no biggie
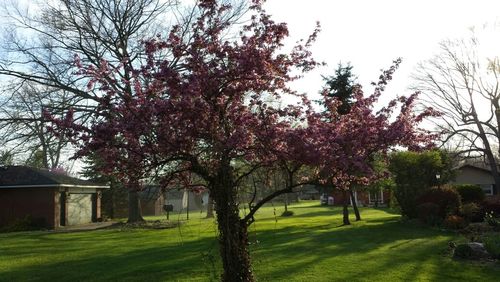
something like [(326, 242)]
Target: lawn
[(309, 246)]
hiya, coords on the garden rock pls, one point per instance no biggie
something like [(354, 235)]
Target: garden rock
[(473, 250)]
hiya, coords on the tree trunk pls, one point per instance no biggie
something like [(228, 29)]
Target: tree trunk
[(233, 233), (111, 199), (354, 205), (210, 207), (134, 205), (345, 209), (286, 202), (487, 145)]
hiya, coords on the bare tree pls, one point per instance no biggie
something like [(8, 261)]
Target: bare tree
[(23, 128), (464, 84), (41, 48)]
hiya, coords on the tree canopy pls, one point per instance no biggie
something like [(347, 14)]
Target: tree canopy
[(201, 110)]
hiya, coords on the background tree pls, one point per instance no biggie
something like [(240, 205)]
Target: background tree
[(41, 48), (341, 87), (462, 82), (23, 128), (352, 139), (6, 158)]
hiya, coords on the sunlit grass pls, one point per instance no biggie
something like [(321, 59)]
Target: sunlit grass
[(309, 246)]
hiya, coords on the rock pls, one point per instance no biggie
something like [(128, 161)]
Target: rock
[(473, 250)]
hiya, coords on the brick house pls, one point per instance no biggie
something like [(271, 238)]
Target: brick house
[(48, 198)]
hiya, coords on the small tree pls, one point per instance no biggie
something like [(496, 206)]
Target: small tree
[(416, 172), (340, 87), (350, 161)]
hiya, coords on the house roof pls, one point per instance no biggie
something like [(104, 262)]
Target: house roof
[(485, 169), (26, 177)]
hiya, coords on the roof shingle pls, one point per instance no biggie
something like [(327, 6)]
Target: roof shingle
[(27, 176)]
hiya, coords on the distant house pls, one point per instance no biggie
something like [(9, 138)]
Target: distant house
[(362, 197), (183, 199), (473, 174), (153, 199), (51, 199), (309, 192)]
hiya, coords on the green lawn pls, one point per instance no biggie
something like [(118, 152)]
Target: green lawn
[(310, 246)]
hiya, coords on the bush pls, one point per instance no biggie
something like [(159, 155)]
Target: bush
[(470, 193), (454, 222), (475, 230), (27, 223), (445, 197), (428, 213), (492, 245), (473, 212), (492, 205), (414, 173)]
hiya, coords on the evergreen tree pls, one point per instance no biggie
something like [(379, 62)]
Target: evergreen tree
[(341, 86)]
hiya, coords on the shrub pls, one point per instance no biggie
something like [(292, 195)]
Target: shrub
[(26, 223), (472, 212), (492, 205), (414, 173), (475, 230), (454, 222), (428, 213), (492, 245), (470, 193), (445, 197)]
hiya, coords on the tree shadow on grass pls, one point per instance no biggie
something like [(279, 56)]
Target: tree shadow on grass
[(326, 212), (371, 250), (93, 261), (358, 253)]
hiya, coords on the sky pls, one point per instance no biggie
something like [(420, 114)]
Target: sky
[(371, 34)]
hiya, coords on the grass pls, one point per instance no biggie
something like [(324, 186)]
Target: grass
[(311, 245)]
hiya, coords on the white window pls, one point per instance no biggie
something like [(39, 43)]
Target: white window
[(487, 188), (376, 196)]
